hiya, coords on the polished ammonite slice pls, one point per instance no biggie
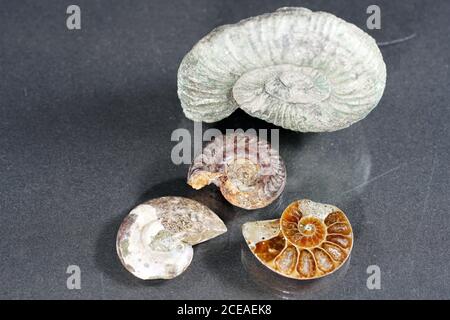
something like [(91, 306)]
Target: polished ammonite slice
[(248, 171), (309, 241)]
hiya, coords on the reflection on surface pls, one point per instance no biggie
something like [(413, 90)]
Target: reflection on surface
[(323, 170), (287, 288)]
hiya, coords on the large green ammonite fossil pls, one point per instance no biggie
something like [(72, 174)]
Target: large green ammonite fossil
[(302, 70)]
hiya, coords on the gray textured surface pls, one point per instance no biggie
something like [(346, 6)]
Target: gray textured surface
[(299, 69), (85, 126)]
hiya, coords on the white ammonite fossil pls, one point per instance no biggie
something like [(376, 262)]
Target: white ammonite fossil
[(309, 241), (248, 171), (302, 70), (155, 240)]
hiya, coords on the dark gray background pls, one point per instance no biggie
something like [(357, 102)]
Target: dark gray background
[(85, 124)]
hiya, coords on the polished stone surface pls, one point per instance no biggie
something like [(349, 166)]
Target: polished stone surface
[(85, 135)]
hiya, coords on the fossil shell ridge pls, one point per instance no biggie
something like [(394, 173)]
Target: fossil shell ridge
[(248, 171)]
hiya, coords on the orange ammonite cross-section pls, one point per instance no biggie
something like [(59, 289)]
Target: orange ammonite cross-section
[(309, 241), (304, 232), (269, 249)]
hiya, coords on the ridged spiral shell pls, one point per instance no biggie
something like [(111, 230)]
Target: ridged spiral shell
[(248, 171), (301, 70), (309, 241)]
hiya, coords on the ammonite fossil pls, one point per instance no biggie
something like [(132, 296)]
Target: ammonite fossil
[(302, 70), (155, 240), (249, 173), (309, 241)]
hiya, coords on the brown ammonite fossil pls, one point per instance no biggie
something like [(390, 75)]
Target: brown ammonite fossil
[(309, 241), (248, 171)]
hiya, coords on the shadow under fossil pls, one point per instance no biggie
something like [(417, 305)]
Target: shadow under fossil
[(241, 120), (227, 268)]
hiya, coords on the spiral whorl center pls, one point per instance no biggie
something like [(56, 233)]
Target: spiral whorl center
[(295, 81), (294, 84), (243, 173), (302, 231), (306, 229)]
